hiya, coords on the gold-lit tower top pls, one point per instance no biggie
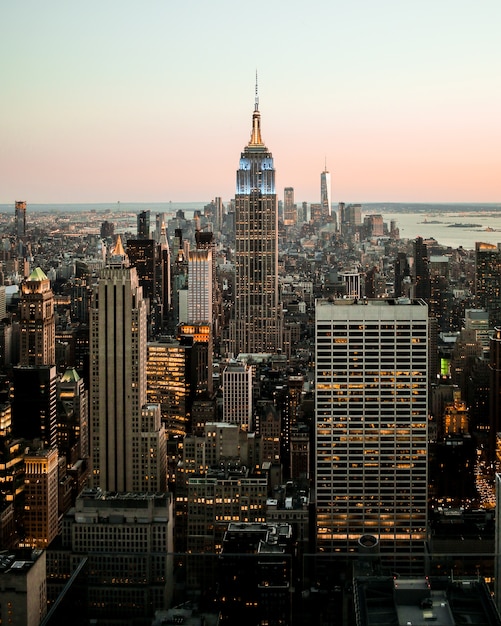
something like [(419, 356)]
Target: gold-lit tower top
[(256, 123)]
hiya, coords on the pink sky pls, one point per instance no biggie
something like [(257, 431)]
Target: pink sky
[(116, 101)]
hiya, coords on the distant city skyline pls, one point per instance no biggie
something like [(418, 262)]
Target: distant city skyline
[(149, 103)]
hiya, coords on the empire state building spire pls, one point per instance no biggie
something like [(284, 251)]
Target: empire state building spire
[(256, 123)]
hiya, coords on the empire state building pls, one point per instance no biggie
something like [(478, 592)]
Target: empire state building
[(258, 312)]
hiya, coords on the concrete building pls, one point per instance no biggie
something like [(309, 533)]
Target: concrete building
[(23, 588), (118, 383), (237, 395), (371, 425), (127, 538), (256, 572), (442, 601), (40, 497)]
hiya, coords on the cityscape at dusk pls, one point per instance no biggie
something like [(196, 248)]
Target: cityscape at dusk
[(118, 101), (250, 314)]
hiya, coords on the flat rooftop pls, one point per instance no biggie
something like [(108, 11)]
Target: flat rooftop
[(442, 601)]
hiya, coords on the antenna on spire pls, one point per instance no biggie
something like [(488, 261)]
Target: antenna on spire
[(256, 102), (325, 168)]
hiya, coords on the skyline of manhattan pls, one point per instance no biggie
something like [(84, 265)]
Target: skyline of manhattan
[(103, 105)]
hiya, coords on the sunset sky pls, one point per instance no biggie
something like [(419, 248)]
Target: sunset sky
[(151, 101)]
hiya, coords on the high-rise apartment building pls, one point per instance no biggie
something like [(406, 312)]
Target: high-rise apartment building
[(325, 193), (371, 425), (257, 312), (117, 380), (37, 322)]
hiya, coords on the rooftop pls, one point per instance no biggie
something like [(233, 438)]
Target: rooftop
[(415, 601)]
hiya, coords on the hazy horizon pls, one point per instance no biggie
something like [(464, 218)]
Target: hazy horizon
[(130, 100)]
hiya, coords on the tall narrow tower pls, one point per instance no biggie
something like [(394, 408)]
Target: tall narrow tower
[(117, 378), (325, 192), (200, 286), (258, 314), (37, 323)]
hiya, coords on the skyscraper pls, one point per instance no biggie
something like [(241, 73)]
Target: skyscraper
[(290, 209), (164, 275), (20, 218), (421, 269), (488, 280), (200, 285), (118, 383), (142, 255), (143, 225), (258, 314), (371, 430), (34, 414), (34, 399), (325, 193), (37, 322), (40, 493), (237, 395)]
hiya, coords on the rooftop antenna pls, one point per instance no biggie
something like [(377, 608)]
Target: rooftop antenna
[(256, 102)]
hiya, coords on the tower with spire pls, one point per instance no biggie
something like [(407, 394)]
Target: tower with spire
[(258, 313), (325, 192)]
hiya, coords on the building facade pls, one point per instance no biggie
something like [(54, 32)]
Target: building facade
[(40, 498), (371, 424), (237, 395), (37, 322), (290, 209), (23, 588), (200, 283), (117, 378), (127, 538), (488, 280)]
